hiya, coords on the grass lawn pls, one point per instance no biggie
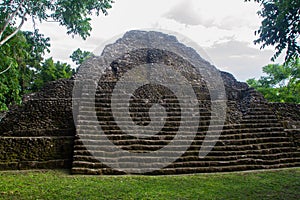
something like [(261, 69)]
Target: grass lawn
[(278, 184)]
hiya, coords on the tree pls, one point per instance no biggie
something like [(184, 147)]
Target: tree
[(73, 14), (13, 56), (37, 45), (282, 83), (24, 55), (79, 56), (51, 71), (21, 53), (280, 27)]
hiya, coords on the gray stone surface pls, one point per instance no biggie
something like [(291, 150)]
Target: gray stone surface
[(41, 132)]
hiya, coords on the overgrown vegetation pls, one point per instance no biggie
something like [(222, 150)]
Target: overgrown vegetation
[(279, 27), (27, 69), (23, 68), (281, 184), (281, 83)]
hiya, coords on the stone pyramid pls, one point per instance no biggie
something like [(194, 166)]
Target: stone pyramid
[(151, 105)]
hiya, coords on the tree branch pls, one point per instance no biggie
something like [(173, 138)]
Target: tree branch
[(6, 69), (11, 18), (13, 33)]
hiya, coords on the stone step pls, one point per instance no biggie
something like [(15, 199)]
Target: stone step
[(209, 157), (214, 125), (207, 166), (245, 162), (277, 153), (115, 136), (189, 125), (212, 169), (192, 149), (89, 164), (192, 156), (85, 97), (259, 116), (111, 118), (244, 135), (196, 167), (245, 131), (107, 99), (262, 124), (253, 141), (174, 120), (240, 128), (185, 170), (107, 104), (94, 143), (192, 161), (258, 146), (86, 111), (260, 108), (114, 131), (249, 121), (105, 116), (226, 151), (271, 150), (101, 171)]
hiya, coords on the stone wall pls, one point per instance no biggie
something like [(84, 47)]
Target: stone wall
[(40, 132), (288, 114)]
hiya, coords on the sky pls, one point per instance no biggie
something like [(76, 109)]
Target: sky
[(223, 28)]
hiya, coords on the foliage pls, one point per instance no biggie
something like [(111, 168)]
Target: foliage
[(79, 56), (282, 83), (50, 71), (73, 14), (22, 69), (23, 56), (13, 56), (279, 184), (280, 27), (37, 46)]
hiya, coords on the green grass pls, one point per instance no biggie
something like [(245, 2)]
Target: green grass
[(278, 184)]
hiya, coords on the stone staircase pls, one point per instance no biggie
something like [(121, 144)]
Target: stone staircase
[(257, 141), (107, 142), (255, 134)]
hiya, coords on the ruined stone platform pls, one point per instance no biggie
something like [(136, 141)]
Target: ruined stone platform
[(255, 134)]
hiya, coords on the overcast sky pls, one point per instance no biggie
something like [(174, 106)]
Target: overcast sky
[(223, 28)]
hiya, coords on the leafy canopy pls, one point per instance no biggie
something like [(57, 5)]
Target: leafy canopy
[(72, 14), (280, 27), (28, 72), (22, 65), (18, 57), (50, 71), (79, 56), (282, 83)]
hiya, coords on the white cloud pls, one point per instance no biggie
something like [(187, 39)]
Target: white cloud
[(239, 58), (214, 24), (228, 15), (186, 13)]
